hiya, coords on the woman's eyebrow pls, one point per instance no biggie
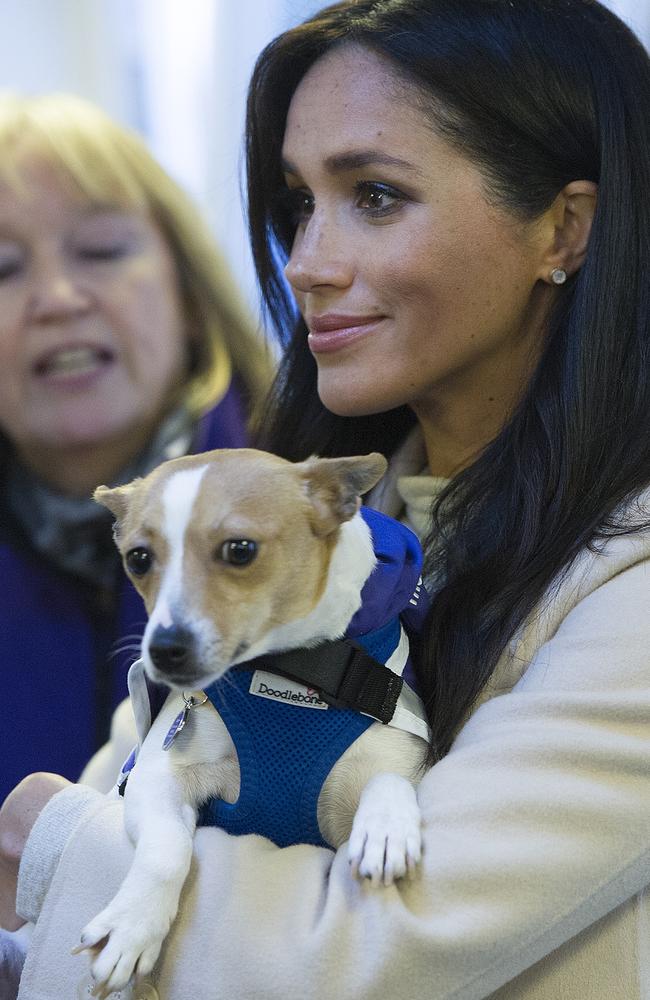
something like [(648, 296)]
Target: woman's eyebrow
[(352, 160)]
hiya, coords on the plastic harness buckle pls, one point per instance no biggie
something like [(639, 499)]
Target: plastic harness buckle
[(344, 674)]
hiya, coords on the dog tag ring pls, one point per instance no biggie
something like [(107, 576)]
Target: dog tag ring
[(180, 721)]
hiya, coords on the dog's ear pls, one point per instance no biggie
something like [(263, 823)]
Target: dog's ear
[(116, 499), (335, 485)]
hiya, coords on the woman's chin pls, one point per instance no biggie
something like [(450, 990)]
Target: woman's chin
[(84, 431), (355, 405), (353, 391)]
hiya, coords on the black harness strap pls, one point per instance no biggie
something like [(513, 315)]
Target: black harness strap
[(342, 672)]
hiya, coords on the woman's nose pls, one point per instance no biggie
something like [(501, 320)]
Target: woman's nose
[(56, 292), (320, 257)]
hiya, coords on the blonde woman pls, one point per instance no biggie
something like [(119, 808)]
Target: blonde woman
[(122, 342)]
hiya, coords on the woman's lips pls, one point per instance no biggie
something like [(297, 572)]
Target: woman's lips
[(333, 332)]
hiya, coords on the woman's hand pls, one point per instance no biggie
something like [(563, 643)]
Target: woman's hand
[(17, 817)]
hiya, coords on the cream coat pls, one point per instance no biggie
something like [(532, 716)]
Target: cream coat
[(536, 834)]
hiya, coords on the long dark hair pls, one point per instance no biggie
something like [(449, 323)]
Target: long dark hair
[(537, 93)]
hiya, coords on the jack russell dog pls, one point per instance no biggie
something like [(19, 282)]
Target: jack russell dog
[(243, 559)]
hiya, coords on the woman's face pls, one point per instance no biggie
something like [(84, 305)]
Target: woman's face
[(91, 328), (415, 289)]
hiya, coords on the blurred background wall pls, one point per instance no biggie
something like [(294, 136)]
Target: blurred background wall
[(177, 71)]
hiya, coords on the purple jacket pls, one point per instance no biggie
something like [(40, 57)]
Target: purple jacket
[(61, 657)]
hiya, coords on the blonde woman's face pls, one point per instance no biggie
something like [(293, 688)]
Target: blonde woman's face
[(92, 338)]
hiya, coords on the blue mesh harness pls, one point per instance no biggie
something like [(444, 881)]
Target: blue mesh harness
[(286, 749), (285, 753)]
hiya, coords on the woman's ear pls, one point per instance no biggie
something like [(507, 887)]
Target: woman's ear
[(571, 216)]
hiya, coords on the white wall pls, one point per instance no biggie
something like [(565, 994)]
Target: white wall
[(64, 45), (195, 72), (636, 13)]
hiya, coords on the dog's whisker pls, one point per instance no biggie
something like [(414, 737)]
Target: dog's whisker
[(133, 635), (127, 640), (125, 649), (228, 679), (130, 641), (228, 682)]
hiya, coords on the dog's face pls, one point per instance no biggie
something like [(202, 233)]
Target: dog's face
[(226, 546)]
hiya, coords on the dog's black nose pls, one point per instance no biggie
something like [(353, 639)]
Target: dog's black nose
[(171, 649)]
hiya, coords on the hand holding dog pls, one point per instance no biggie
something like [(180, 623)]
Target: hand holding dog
[(18, 814)]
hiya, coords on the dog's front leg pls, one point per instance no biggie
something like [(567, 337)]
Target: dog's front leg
[(385, 842), (369, 797), (160, 810), (127, 935)]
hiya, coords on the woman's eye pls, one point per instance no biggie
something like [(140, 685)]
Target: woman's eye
[(377, 199), (238, 551), (101, 253), (299, 204), (9, 268), (139, 560)]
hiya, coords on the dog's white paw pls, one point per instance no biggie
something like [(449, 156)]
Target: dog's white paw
[(122, 940), (386, 839)]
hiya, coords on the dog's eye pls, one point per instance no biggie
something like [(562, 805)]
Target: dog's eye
[(238, 551), (138, 561)]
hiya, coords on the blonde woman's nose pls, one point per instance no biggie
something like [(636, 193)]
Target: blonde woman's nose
[(56, 291)]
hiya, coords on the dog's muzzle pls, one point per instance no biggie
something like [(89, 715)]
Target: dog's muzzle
[(172, 650)]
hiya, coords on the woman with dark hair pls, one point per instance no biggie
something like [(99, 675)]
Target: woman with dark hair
[(535, 100), (457, 190)]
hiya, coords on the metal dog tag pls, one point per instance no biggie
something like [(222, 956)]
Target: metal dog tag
[(180, 721)]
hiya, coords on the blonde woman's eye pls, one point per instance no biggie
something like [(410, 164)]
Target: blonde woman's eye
[(9, 269), (107, 252)]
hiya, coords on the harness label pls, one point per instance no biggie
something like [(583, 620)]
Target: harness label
[(276, 688)]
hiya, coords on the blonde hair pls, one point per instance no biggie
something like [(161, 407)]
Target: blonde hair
[(106, 162)]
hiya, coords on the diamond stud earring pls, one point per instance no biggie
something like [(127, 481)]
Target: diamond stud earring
[(558, 276)]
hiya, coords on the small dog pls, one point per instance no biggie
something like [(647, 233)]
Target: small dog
[(239, 554)]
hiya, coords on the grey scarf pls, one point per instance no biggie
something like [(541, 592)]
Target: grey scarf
[(75, 533)]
